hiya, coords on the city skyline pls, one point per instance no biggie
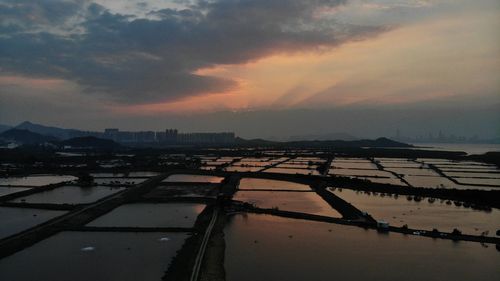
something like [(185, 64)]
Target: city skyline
[(173, 135)]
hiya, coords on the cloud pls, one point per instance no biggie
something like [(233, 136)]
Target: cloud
[(131, 59)]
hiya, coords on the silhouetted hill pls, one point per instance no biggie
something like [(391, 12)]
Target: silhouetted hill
[(386, 142), (255, 142), (90, 142), (380, 142), (26, 137), (488, 157), (4, 128), (49, 131), (322, 137)]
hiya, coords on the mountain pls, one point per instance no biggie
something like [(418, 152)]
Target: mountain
[(49, 131), (4, 128), (380, 142), (256, 142), (25, 137), (90, 142), (322, 137), (386, 142)]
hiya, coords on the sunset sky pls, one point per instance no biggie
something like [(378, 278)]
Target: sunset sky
[(260, 68)]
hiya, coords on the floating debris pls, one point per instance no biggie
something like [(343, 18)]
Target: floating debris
[(87, 249), (164, 239)]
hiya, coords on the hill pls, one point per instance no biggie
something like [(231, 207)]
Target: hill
[(380, 143), (49, 131), (25, 137), (4, 128), (90, 142), (323, 137)]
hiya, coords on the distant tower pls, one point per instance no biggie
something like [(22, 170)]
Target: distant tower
[(171, 135), (111, 133)]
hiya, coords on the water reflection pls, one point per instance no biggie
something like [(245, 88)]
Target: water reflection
[(69, 195), (193, 178), (251, 183), (422, 213), (305, 202), (151, 215), (119, 256), (261, 247), (4, 190), (14, 220), (36, 180)]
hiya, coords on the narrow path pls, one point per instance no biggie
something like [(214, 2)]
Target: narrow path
[(443, 174), (275, 164), (327, 165), (348, 211), (228, 164), (203, 247), (382, 168)]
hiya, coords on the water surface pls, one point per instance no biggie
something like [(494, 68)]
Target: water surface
[(414, 171), (472, 181), (305, 202), (389, 180), (242, 169), (423, 215), (467, 174), (441, 182), (14, 220), (292, 171), (4, 190), (352, 172), (69, 195), (36, 180), (353, 165), (261, 247), (151, 215), (120, 256), (467, 148), (256, 184), (192, 178), (119, 181)]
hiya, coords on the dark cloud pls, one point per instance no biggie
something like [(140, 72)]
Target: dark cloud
[(31, 14), (135, 60)]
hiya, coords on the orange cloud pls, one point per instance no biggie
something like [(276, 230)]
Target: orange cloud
[(34, 83)]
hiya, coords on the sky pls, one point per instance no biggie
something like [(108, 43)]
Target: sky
[(260, 68)]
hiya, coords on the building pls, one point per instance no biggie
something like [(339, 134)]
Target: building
[(169, 136), (145, 136), (111, 134), (206, 138)]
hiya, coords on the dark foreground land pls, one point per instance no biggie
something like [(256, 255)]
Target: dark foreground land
[(203, 253)]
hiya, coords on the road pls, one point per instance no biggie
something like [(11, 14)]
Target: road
[(203, 247)]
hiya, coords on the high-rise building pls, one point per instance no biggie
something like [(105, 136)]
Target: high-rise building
[(171, 135)]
